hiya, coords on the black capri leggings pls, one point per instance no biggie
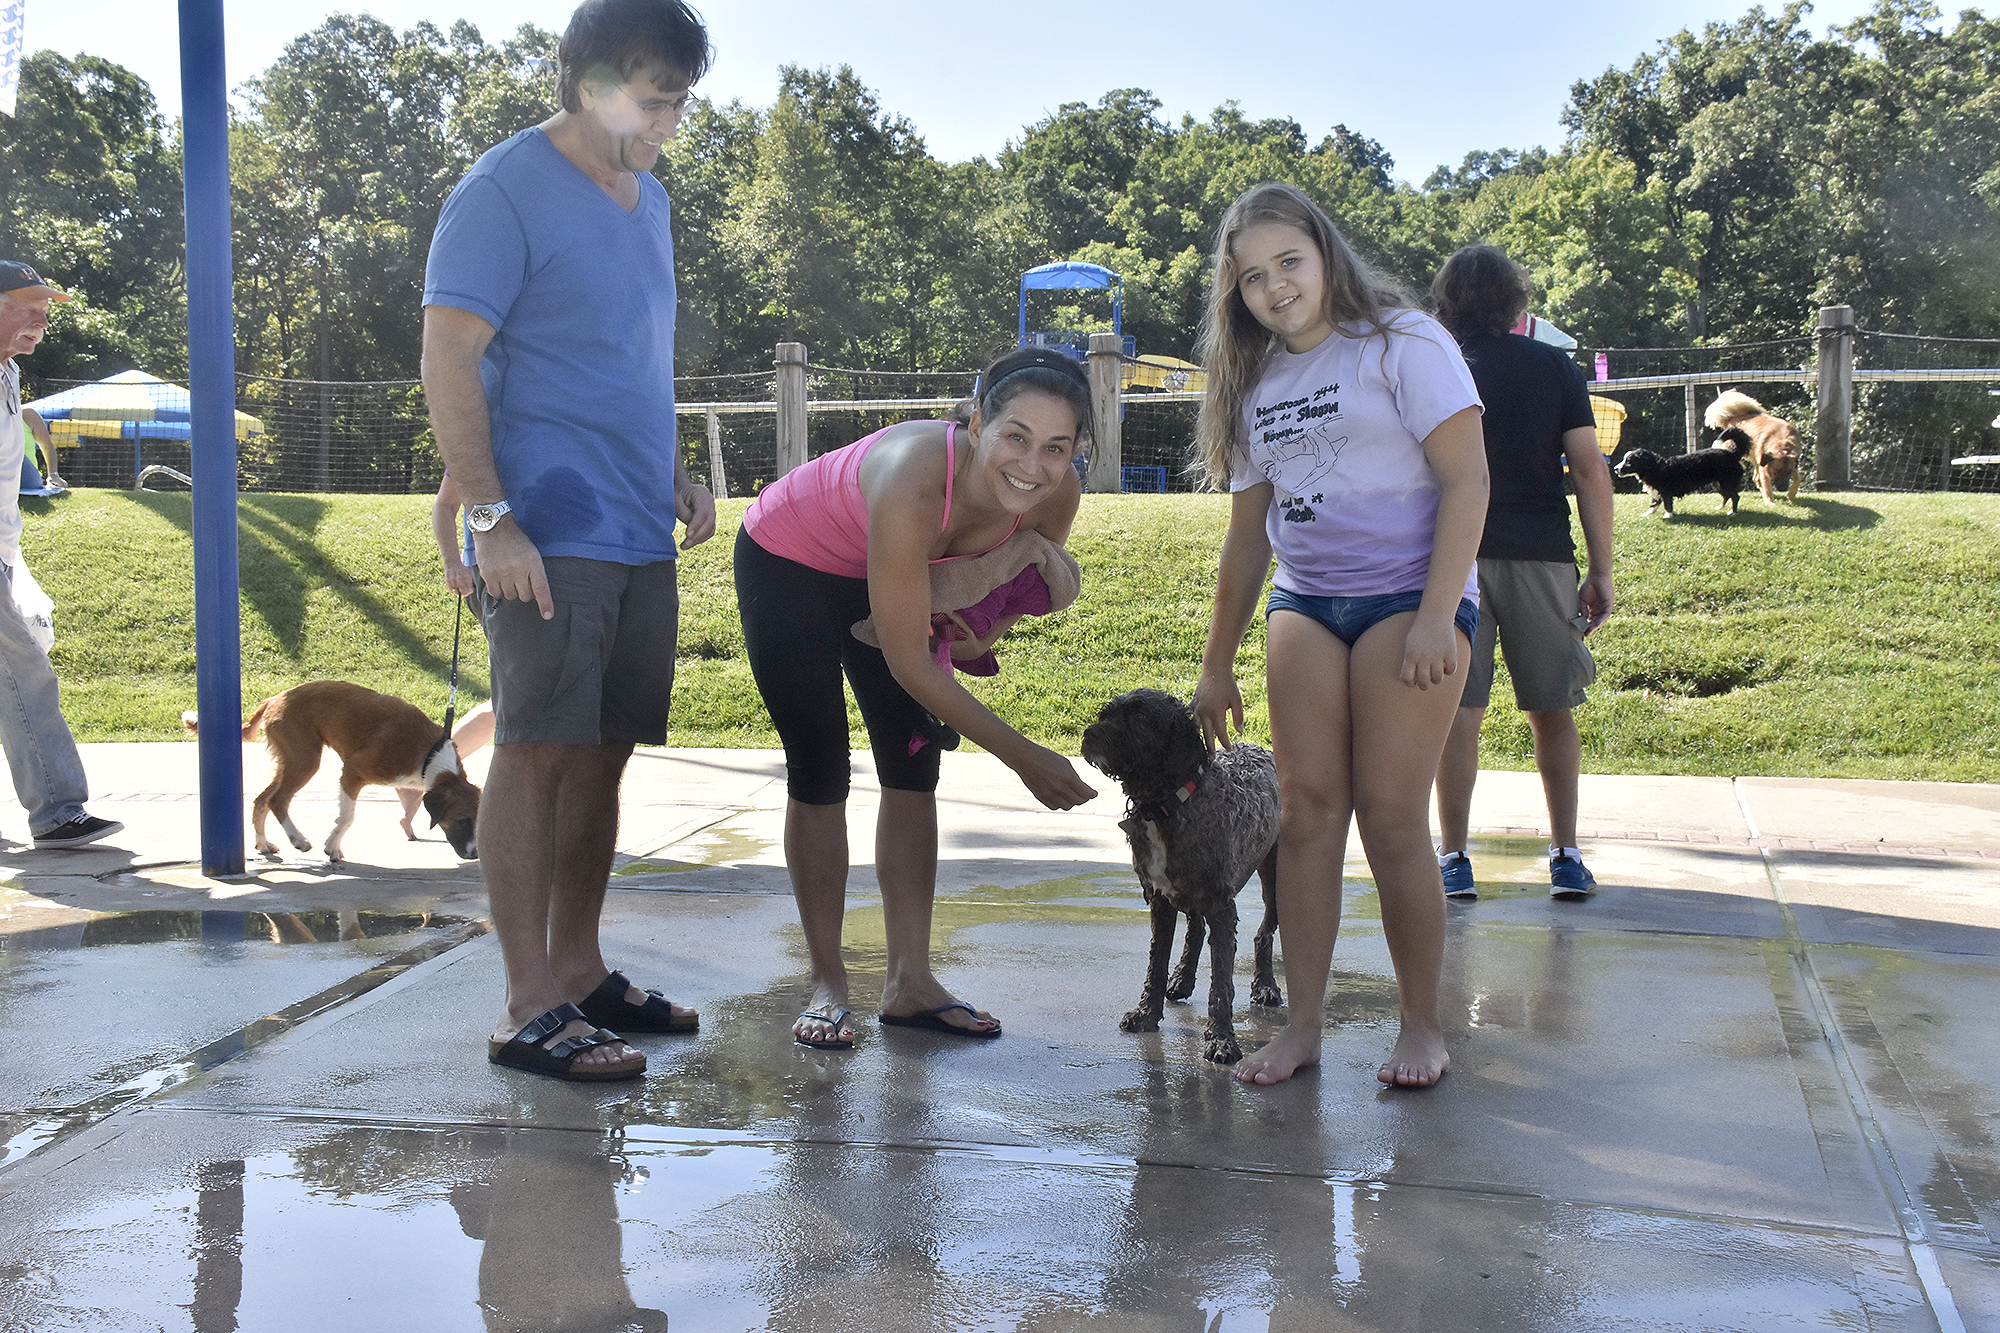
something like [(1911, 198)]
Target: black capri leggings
[(797, 629)]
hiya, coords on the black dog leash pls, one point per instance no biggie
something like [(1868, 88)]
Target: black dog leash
[(451, 700)]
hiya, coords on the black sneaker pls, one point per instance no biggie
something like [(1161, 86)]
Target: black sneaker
[(79, 832)]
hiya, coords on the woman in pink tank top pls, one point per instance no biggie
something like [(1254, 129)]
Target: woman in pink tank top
[(849, 536)]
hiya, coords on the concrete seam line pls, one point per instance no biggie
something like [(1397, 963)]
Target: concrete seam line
[(1895, 1188), (388, 974)]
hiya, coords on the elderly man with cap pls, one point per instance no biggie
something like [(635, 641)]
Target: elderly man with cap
[(48, 772)]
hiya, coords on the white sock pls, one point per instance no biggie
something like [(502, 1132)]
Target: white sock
[(1446, 858), (1573, 853)]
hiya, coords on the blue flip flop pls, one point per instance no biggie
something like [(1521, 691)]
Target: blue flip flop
[(932, 1020), (833, 1043)]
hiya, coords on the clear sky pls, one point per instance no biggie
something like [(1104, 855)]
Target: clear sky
[(1430, 79)]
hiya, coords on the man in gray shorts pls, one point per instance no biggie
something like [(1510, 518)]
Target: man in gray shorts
[(548, 363), (1537, 420)]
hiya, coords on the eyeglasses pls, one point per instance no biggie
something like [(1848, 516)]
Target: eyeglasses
[(654, 108)]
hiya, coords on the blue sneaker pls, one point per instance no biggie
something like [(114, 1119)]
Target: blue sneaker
[(1570, 879), (1457, 871)]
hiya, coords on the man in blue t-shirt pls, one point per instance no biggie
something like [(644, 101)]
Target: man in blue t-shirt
[(548, 363)]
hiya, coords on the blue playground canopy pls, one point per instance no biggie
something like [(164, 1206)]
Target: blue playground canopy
[(1072, 275)]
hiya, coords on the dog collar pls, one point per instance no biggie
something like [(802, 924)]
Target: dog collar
[(433, 752), (1166, 810)]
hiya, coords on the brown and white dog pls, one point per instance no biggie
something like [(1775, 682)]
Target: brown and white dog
[(1773, 444), (382, 741)]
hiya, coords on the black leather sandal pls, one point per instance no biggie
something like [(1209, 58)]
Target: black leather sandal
[(607, 1007), (530, 1050)]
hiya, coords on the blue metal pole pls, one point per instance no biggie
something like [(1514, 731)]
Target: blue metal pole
[(212, 433)]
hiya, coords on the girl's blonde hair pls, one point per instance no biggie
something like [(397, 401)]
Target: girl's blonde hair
[(1234, 347)]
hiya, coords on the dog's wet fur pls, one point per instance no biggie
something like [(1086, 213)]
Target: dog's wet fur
[(1192, 856), (1668, 479), (381, 740)]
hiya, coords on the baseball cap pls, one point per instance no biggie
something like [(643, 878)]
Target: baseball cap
[(18, 277)]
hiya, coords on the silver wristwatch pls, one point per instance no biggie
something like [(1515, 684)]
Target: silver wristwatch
[(482, 518)]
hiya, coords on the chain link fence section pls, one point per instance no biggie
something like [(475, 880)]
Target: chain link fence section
[(359, 437), (308, 436)]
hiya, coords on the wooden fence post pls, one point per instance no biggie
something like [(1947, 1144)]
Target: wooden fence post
[(717, 479), (1106, 367), (1833, 425), (1693, 418), (790, 360)]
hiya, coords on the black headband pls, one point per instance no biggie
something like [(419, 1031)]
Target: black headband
[(1026, 358)]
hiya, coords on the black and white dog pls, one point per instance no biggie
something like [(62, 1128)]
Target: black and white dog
[(1198, 825), (1667, 479)]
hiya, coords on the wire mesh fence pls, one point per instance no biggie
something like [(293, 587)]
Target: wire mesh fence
[(1919, 403), (1156, 442), (1924, 418), (1911, 433), (1656, 418), (728, 429)]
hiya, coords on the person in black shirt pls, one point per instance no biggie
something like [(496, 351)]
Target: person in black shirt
[(1537, 419)]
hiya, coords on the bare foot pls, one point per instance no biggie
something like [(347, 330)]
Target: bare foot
[(1418, 1061), (1294, 1049), (906, 1002), (411, 799), (811, 1028), (611, 1053)]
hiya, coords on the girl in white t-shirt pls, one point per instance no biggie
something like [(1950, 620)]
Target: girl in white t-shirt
[(1347, 428)]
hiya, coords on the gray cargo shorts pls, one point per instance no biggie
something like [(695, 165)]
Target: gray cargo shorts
[(1530, 605), (601, 670)]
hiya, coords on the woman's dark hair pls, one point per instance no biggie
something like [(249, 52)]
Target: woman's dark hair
[(621, 36), (1030, 368), (1480, 290)]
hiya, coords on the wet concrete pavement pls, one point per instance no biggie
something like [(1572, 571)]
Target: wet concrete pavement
[(1750, 1085)]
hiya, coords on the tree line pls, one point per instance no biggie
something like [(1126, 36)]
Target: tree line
[(1718, 189)]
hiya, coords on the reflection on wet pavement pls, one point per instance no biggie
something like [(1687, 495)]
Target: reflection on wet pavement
[(527, 1229), (1685, 1104), (65, 970)]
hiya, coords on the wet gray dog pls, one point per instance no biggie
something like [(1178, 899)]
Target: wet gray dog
[(1198, 825)]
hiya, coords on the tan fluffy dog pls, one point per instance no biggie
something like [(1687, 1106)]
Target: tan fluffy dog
[(382, 741), (1773, 444)]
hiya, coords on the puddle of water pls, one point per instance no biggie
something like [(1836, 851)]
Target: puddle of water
[(721, 845), (133, 1055), (25, 931), (1508, 865), (641, 867), (471, 1228)]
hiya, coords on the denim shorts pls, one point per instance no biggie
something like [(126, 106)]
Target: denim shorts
[(1351, 617)]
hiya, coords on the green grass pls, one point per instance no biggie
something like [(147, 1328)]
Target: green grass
[(1850, 636)]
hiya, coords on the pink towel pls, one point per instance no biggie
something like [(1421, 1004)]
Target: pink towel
[(1026, 594)]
